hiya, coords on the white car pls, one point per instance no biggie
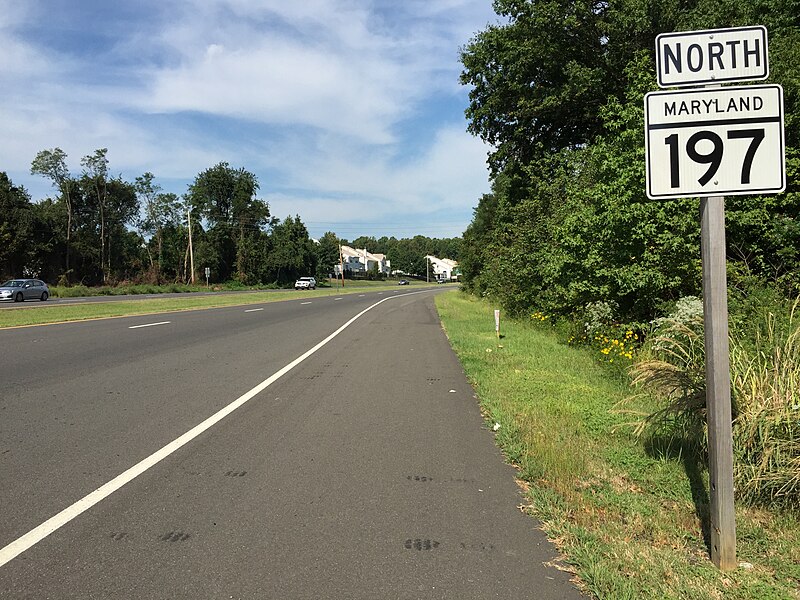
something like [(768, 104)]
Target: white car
[(305, 283)]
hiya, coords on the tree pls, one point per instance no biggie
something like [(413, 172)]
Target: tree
[(160, 210), (225, 198), (327, 251), (558, 91), (538, 81), (292, 254), (52, 164), (477, 238), (95, 178), (408, 255), (367, 242), (16, 228), (48, 241), (122, 245)]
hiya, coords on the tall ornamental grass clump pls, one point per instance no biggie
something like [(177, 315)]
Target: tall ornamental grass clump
[(765, 377), (765, 391), (671, 367)]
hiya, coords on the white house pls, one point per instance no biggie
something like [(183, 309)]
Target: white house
[(443, 268), (360, 262)]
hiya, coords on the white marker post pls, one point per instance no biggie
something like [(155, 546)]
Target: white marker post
[(706, 143), (497, 323)]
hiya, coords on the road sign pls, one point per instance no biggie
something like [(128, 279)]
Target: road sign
[(715, 142), (712, 56)]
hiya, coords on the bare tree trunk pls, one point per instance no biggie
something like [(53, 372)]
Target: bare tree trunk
[(185, 263), (101, 208), (240, 258), (69, 232), (159, 243), (103, 244), (68, 203)]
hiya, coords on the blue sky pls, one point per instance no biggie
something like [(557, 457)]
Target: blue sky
[(349, 112)]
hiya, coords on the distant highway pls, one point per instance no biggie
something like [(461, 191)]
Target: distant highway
[(128, 297)]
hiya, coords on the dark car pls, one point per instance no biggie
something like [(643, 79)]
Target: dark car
[(403, 282), (24, 289)]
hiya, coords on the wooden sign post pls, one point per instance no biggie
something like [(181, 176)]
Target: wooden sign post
[(718, 382), (709, 143)]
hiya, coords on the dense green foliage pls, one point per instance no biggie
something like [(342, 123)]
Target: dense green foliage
[(99, 229), (558, 91), (557, 88)]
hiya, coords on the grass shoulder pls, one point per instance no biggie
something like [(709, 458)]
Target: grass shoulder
[(631, 523)]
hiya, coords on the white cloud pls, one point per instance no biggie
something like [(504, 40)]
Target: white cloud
[(286, 84), (313, 64), (445, 181), (319, 98)]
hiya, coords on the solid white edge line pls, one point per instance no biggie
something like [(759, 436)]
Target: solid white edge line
[(149, 325), (57, 521)]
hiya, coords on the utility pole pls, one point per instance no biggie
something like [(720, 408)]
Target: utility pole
[(191, 251)]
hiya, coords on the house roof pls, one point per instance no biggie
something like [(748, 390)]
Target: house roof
[(349, 252), (447, 262)]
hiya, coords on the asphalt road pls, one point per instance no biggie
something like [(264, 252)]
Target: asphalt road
[(365, 471)]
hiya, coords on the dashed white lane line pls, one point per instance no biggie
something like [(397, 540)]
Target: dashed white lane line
[(149, 325), (253, 309), (305, 303), (57, 521), (337, 298)]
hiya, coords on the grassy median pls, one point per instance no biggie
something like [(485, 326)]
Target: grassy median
[(35, 314), (630, 522)]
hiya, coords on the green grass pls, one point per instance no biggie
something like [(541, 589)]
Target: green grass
[(40, 315), (76, 291), (629, 522)]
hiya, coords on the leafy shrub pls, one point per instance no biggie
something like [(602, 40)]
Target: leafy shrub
[(615, 343), (597, 315)]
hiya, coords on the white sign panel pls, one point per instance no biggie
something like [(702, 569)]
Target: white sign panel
[(711, 56), (715, 142)]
